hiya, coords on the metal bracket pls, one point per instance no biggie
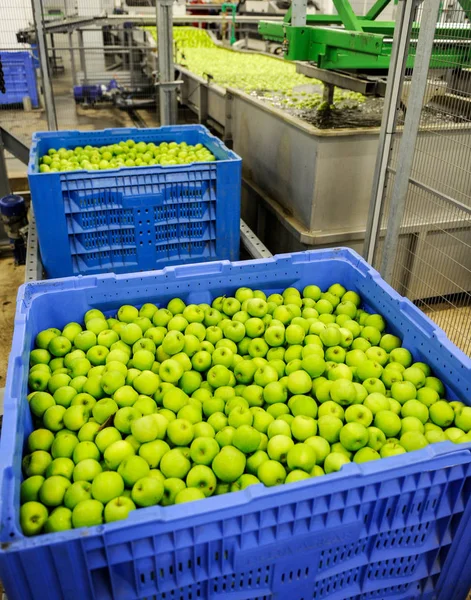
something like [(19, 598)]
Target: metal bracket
[(254, 246)]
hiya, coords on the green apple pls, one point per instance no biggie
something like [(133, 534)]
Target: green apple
[(240, 415), (376, 402), (40, 402), (44, 337), (218, 421), (127, 313), (411, 424), (271, 472), (279, 427), (369, 369), (111, 381), (391, 449), (53, 490), (64, 395), (171, 488), (463, 418), (202, 478), (152, 452), (125, 396), (85, 340), (59, 346), (359, 413), (106, 486), (413, 440), (321, 447), (365, 455), (84, 450), (203, 429), (38, 379), (353, 436), (246, 439), (434, 437), (441, 413), (174, 464), (278, 447), (75, 417), (103, 410), (414, 408), (334, 462), (132, 469), (39, 356), (376, 438), (303, 427), (124, 417), (329, 428), (40, 439), (118, 509), (453, 433), (175, 399), (435, 384), (203, 450), (401, 356), (403, 391), (388, 422), (29, 489), (244, 482), (116, 452), (301, 456), (86, 470), (156, 334), (180, 432), (106, 437), (229, 464), (303, 405), (33, 516), (87, 513), (201, 361)]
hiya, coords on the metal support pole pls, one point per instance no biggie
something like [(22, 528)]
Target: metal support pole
[(72, 58), (83, 62), (44, 65), (298, 13), (408, 141), (167, 87), (328, 94), (405, 18), (4, 183)]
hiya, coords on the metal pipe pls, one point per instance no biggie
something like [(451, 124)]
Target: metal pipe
[(72, 58), (44, 65), (4, 182), (392, 100), (82, 56), (411, 128), (167, 88)]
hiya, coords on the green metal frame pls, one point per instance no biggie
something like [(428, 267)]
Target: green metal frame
[(363, 44)]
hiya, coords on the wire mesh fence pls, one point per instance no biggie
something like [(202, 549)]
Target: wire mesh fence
[(432, 264)]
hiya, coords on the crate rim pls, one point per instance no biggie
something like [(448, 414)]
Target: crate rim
[(37, 136), (409, 463)]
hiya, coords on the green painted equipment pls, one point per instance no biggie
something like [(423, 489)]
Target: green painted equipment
[(363, 43)]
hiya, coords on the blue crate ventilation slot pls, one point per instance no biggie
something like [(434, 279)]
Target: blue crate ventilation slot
[(395, 529), (19, 76), (140, 218)]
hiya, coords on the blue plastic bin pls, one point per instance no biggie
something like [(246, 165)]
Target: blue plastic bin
[(397, 528), (20, 79), (139, 218)]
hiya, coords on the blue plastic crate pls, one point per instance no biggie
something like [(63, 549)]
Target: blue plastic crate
[(20, 79), (139, 218), (398, 528)]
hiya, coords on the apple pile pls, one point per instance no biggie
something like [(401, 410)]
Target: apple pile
[(123, 154), (274, 79), (173, 404)]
